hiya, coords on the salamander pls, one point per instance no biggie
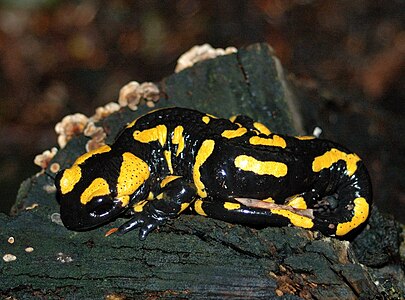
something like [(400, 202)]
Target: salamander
[(176, 160)]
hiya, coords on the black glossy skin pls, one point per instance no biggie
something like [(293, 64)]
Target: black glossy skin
[(328, 193)]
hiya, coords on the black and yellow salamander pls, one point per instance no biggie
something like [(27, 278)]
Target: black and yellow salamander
[(175, 159)]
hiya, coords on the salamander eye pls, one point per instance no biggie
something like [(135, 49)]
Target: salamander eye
[(100, 206)]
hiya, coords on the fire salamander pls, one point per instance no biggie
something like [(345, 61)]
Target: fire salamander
[(174, 160)]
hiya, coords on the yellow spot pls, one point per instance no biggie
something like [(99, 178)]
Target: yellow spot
[(69, 179), (268, 200), (87, 155), (183, 207), (206, 119), (138, 207), (168, 157), (203, 153), (297, 202), (99, 187), (231, 205), (178, 139), (198, 208), (295, 219), (305, 137), (158, 133), (232, 119), (133, 173), (160, 196), (248, 163), (230, 134), (262, 128), (150, 196), (275, 141), (361, 211), (168, 179), (330, 157), (72, 175)]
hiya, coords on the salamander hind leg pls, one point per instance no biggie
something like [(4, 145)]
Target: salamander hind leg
[(347, 207), (339, 214)]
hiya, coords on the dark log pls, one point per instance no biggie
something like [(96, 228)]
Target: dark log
[(194, 257)]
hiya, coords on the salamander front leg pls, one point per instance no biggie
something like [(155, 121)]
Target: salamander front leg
[(174, 197), (145, 222)]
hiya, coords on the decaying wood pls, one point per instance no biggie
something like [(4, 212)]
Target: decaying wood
[(194, 257)]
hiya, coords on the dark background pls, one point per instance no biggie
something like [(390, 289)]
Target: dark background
[(61, 57)]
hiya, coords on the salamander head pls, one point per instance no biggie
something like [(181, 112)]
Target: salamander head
[(98, 187)]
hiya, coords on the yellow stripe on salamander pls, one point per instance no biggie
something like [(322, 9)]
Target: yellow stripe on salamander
[(69, 179), (71, 176), (178, 139), (158, 133), (230, 134), (295, 219), (275, 141), (87, 155), (231, 205), (99, 187), (202, 155), (168, 158), (361, 211), (261, 128), (297, 202), (248, 163), (332, 156), (305, 137), (198, 208)]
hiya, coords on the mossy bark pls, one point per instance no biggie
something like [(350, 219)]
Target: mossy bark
[(194, 257)]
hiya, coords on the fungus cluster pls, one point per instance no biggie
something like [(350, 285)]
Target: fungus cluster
[(200, 53), (131, 95), (134, 94)]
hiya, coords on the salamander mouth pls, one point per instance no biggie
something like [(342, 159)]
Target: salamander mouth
[(99, 211)]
